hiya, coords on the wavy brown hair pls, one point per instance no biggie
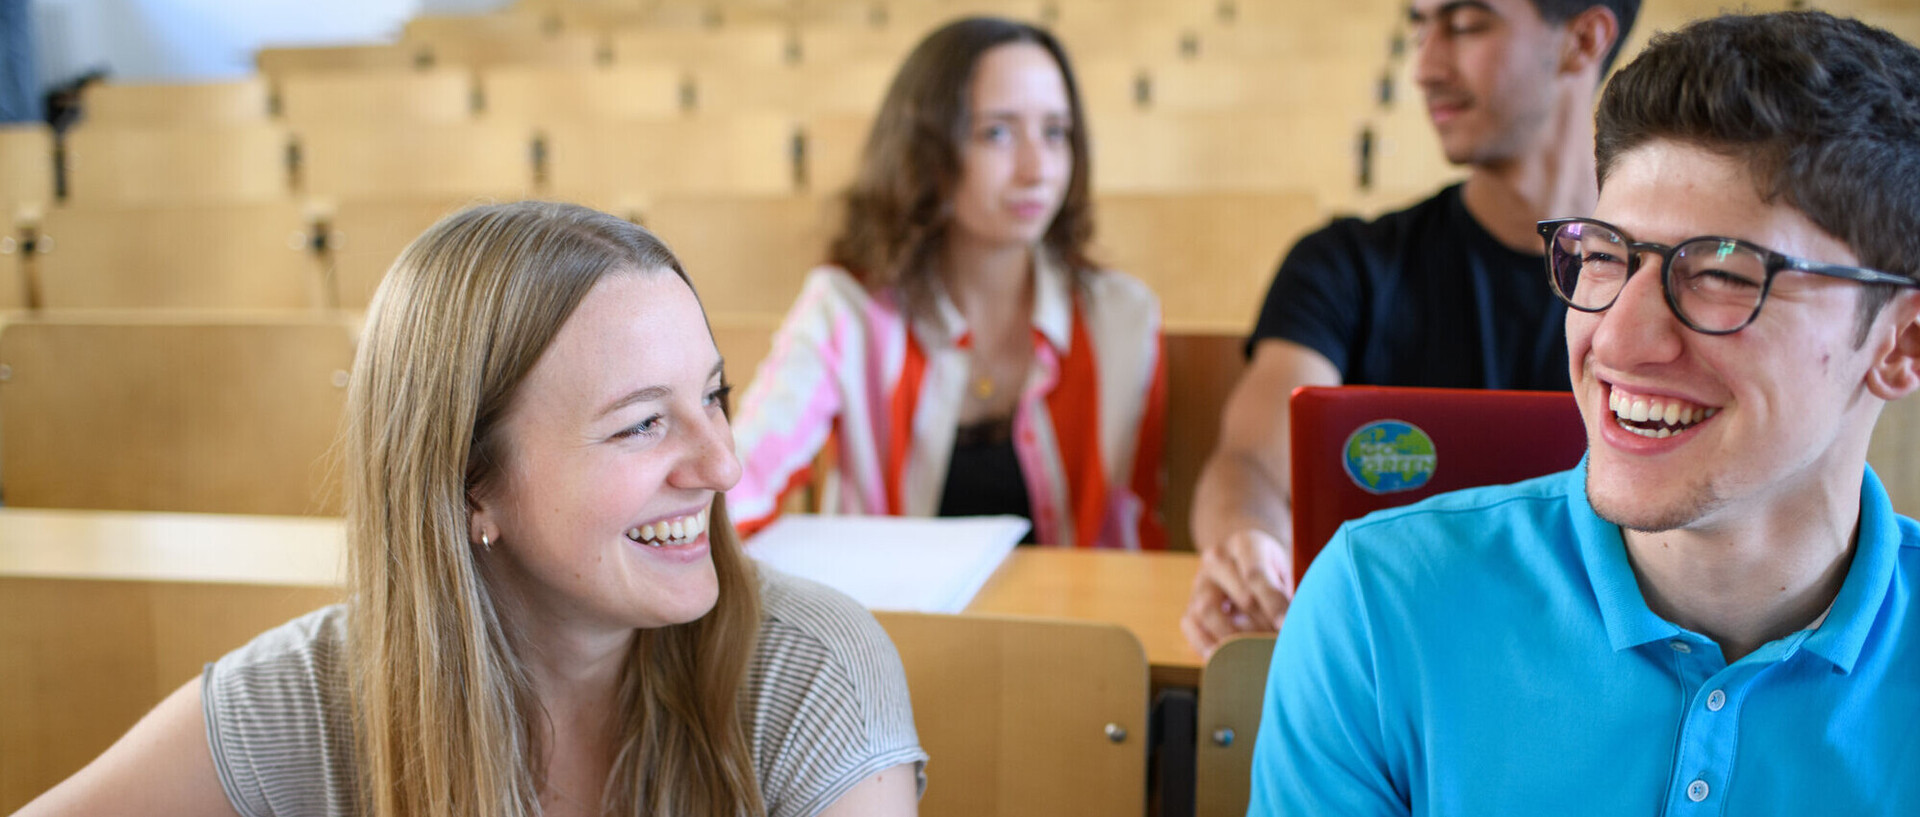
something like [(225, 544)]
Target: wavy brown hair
[(900, 206), (445, 718)]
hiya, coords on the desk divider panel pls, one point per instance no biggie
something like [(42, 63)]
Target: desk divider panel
[(1232, 689), (1026, 716)]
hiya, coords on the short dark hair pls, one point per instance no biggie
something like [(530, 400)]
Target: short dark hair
[(899, 208), (1824, 111), (1560, 11)]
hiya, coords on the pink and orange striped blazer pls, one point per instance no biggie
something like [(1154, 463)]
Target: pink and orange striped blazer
[(849, 368)]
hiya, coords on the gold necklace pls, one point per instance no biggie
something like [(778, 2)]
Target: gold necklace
[(983, 387)]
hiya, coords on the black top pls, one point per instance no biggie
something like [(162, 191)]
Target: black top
[(1421, 297), (983, 478)]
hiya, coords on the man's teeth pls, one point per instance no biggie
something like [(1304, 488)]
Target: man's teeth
[(1655, 417), (671, 532)]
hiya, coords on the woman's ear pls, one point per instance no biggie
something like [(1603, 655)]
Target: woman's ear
[(1896, 372), (483, 528), (1590, 37)]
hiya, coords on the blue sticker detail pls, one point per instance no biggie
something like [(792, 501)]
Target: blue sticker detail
[(1387, 456)]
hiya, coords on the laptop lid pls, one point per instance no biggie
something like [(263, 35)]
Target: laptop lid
[(1357, 449)]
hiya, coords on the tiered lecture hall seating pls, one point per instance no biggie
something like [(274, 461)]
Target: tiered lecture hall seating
[(187, 315)]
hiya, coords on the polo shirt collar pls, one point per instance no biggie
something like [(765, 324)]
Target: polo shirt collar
[(1623, 609), (1843, 635), (1052, 308), (1838, 638)]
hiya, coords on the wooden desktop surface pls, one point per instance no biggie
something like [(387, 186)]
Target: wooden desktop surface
[(1143, 592)]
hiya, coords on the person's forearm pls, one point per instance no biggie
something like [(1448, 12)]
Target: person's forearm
[(1233, 494)]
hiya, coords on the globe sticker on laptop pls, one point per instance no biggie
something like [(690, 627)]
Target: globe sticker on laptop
[(1386, 456)]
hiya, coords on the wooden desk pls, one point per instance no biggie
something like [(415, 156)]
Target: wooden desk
[(102, 613), (1143, 592), (172, 547)]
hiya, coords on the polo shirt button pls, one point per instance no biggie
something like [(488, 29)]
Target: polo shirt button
[(1697, 790), (1680, 646), (1715, 700)]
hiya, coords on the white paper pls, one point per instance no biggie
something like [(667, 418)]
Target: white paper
[(890, 562)]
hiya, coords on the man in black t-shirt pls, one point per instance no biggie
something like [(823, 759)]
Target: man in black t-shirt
[(1449, 292)]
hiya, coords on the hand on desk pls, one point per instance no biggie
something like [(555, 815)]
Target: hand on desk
[(1244, 585)]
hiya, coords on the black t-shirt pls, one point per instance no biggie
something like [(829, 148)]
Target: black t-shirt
[(1421, 297)]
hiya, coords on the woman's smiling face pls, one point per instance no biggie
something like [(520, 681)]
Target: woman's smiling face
[(616, 445)]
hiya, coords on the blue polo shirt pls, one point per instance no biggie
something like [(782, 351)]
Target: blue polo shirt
[(1489, 652)]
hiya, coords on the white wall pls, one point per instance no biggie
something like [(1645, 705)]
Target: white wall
[(187, 40)]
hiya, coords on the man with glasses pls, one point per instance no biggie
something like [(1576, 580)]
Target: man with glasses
[(1718, 611), (1444, 293)]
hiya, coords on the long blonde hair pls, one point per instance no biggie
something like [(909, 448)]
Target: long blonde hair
[(444, 715)]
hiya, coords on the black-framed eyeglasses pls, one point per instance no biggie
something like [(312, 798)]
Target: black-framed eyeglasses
[(1714, 285)]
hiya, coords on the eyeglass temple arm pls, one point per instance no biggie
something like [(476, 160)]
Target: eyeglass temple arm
[(1861, 274)]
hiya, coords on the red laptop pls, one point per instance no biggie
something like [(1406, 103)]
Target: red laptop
[(1358, 449)]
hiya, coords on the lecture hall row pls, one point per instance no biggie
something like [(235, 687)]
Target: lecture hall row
[(98, 353), (264, 387)]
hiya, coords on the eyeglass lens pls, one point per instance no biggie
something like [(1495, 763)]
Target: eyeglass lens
[(1715, 284)]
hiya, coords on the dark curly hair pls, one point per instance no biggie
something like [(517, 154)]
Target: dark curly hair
[(900, 206), (1824, 111)]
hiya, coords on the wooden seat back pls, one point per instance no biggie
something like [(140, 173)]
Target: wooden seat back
[(744, 253), (425, 160), (763, 45), (218, 256), (1232, 689), (173, 413), (289, 61), (376, 98), (177, 165), (26, 169), (364, 236), (1026, 716), (536, 94), (238, 102), (1202, 367), (1209, 256), (749, 153)]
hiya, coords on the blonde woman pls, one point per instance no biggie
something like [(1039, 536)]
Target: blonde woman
[(550, 613)]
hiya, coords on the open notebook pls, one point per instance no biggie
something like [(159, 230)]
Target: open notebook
[(891, 562), (1357, 449)]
